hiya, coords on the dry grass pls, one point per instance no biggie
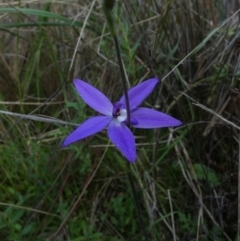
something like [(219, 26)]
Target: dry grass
[(186, 178)]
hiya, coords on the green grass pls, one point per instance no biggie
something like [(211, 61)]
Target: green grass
[(186, 178)]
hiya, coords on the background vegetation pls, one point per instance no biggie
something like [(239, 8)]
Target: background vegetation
[(186, 178)]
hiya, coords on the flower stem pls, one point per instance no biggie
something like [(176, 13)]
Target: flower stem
[(107, 7), (124, 79), (111, 25)]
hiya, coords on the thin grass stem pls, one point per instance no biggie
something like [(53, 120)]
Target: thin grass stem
[(136, 200)]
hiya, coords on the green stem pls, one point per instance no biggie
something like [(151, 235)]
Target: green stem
[(124, 79), (110, 21)]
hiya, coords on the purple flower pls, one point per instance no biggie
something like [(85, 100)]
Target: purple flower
[(114, 116)]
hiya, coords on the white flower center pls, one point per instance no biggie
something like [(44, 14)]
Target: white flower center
[(122, 115)]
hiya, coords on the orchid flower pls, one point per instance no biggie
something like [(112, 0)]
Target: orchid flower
[(114, 116)]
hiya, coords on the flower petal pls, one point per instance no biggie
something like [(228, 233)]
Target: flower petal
[(139, 93), (149, 118), (133, 121), (87, 128), (93, 97), (123, 139)]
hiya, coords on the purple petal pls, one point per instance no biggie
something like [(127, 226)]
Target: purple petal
[(123, 139), (139, 93), (93, 97), (87, 128), (133, 121), (149, 118)]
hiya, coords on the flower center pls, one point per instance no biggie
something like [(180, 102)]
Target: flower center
[(119, 112)]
